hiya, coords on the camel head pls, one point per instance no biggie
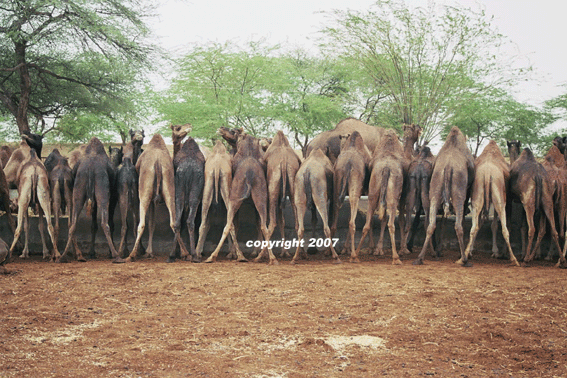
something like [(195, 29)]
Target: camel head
[(136, 136), (178, 132)]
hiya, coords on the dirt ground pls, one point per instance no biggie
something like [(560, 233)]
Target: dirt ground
[(315, 319)]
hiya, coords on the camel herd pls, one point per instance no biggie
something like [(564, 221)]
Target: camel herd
[(400, 178)]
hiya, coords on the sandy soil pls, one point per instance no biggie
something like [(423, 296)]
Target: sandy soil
[(315, 319)]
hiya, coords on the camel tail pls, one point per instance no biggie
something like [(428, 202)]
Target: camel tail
[(158, 179), (383, 192), (487, 195), (344, 182), (249, 180), (90, 192), (538, 191), (307, 187), (283, 169), (447, 183), (216, 183)]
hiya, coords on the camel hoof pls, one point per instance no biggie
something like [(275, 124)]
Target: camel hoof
[(243, 259), (210, 260), (194, 259), (355, 260), (561, 265), (468, 264), (81, 259), (62, 260), (170, 260), (514, 263), (396, 262), (293, 262), (118, 260), (338, 261), (417, 262), (23, 256), (274, 262), (128, 259)]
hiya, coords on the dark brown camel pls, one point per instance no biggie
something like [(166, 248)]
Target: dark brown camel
[(385, 190), (561, 144), (514, 150), (451, 181), (313, 191), (35, 141), (189, 165), (136, 141), (61, 184), (530, 185), (349, 175), (5, 153), (156, 182), (329, 141), (490, 186), (33, 189), (127, 191), (248, 181), (218, 181), (281, 167), (94, 176), (231, 137)]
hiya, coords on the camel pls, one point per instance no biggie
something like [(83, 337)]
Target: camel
[(156, 181), (349, 177), (329, 141), (281, 167), (35, 141), (94, 176), (561, 144), (385, 190), (5, 153), (248, 181), (61, 183), (490, 186), (127, 191), (231, 137), (33, 185), (178, 133), (189, 165), (136, 141), (14, 163), (530, 184), (5, 202), (4, 257), (76, 155), (451, 181), (416, 196), (218, 181), (513, 150), (313, 191)]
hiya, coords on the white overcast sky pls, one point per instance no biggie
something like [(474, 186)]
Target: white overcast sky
[(538, 28)]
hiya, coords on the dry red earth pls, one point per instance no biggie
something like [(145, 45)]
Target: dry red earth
[(315, 319)]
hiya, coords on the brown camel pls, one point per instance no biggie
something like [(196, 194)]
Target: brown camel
[(231, 137), (189, 165), (349, 177), (514, 147), (416, 196), (156, 181), (61, 184), (178, 133), (385, 190), (218, 181), (136, 141), (561, 144), (281, 167), (248, 181), (76, 155), (492, 173), (451, 181), (329, 141), (33, 185), (5, 153), (94, 177), (14, 163), (530, 184), (313, 191)]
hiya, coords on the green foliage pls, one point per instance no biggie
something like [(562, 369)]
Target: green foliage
[(58, 59), (423, 62)]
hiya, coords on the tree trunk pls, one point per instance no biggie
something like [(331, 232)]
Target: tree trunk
[(25, 88)]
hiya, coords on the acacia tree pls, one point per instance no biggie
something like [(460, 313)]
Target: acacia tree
[(427, 61), (57, 57)]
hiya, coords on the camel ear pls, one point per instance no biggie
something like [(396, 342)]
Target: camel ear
[(508, 143), (109, 149)]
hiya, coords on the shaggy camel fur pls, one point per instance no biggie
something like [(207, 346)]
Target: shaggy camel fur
[(61, 183), (189, 165), (329, 141), (561, 144), (248, 181), (350, 171), (5, 153), (33, 185), (313, 191), (94, 176), (127, 190), (530, 184), (281, 165), (385, 190), (218, 181), (492, 173), (417, 196), (451, 181), (156, 181)]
